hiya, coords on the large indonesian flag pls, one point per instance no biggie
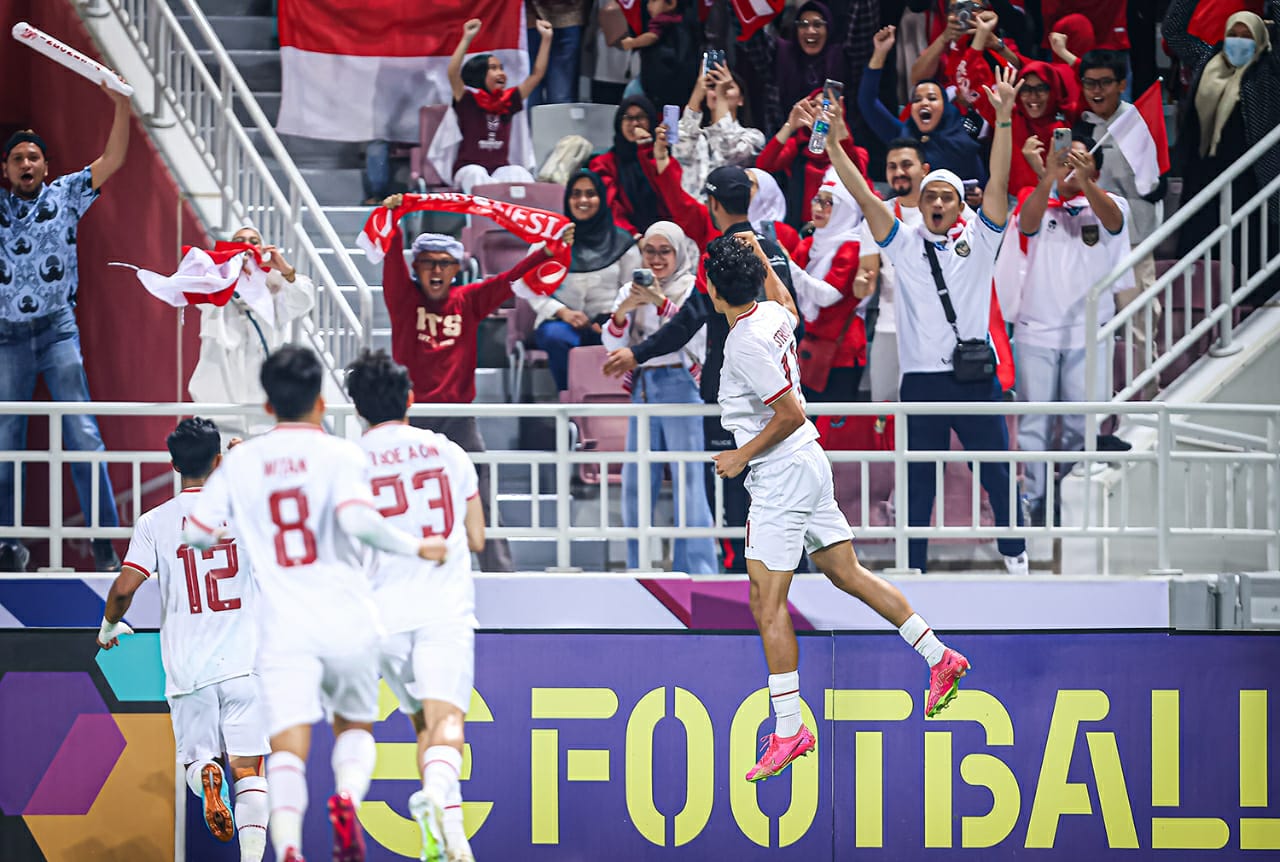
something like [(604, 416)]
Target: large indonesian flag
[(212, 276), (1140, 134), (359, 70)]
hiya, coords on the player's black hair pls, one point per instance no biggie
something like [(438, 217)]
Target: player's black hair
[(291, 377), (908, 144), (734, 270), (1112, 61), (193, 446), (379, 387)]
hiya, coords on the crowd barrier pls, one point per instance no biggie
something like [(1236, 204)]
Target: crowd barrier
[(633, 746)]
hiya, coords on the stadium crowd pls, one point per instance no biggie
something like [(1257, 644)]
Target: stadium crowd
[(714, 134)]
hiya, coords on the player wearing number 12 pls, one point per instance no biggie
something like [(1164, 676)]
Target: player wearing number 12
[(300, 499), (424, 483), (207, 645)]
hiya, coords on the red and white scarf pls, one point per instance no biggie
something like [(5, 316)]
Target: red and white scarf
[(530, 224), (212, 276)]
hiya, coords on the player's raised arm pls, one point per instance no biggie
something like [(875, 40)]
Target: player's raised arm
[(774, 289)]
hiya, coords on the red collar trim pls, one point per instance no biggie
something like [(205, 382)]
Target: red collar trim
[(745, 314), (296, 426)]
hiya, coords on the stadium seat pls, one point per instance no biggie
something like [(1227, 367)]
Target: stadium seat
[(589, 385), (520, 349), (497, 249), (425, 177), (550, 123)]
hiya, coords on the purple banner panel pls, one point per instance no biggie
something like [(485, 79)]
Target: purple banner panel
[(633, 747)]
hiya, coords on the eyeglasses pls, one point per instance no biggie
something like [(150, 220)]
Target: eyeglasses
[(1036, 89), (1097, 83), (635, 118), (435, 264), (811, 24), (821, 203), (651, 251)]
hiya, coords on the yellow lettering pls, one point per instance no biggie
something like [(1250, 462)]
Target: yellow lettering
[(1175, 833), (582, 764), (699, 760), (981, 770), (868, 775), (1056, 796), (422, 318), (1256, 833), (743, 799)]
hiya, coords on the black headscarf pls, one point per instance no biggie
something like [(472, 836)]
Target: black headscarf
[(635, 185), (800, 74), (476, 71), (597, 241)]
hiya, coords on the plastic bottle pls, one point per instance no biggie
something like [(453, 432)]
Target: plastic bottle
[(821, 126)]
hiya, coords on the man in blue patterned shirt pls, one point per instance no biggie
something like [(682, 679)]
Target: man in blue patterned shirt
[(38, 333)]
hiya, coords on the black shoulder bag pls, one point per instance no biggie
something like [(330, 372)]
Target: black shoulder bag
[(974, 359)]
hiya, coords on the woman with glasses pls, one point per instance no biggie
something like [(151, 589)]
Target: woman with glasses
[(604, 256), (641, 310), (627, 168)]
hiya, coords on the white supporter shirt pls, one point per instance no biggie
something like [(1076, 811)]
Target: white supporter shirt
[(967, 258), (760, 366), (1071, 252), (283, 491), (421, 482), (207, 633)]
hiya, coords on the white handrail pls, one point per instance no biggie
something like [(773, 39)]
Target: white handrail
[(1232, 291), (1135, 497), (205, 109)]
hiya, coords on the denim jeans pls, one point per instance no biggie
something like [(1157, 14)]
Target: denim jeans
[(50, 347), (377, 170), (1049, 374), (560, 85), (671, 385)]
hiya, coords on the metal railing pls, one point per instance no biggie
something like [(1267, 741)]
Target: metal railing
[(1151, 337), (188, 93), (1214, 474)]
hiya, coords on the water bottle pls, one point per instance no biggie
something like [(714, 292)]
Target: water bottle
[(821, 126)]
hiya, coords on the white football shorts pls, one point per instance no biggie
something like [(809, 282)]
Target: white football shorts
[(227, 716), (434, 662), (302, 689), (793, 508)]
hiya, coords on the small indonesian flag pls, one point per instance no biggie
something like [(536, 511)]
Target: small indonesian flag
[(631, 11), (1141, 136), (212, 277), (754, 14)]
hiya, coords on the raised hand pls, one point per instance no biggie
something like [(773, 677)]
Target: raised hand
[(471, 28), (569, 234), (884, 39), (1058, 42), (839, 131), (720, 77), (393, 201), (802, 114), (544, 28), (1005, 92), (1082, 163), (986, 21)]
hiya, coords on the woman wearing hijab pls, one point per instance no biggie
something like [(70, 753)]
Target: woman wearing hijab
[(627, 168), (788, 153), (639, 311), (933, 120), (1234, 102), (604, 256), (1041, 100), (768, 210), (710, 133), (485, 108), (832, 254)]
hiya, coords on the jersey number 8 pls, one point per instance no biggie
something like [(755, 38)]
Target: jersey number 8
[(289, 511)]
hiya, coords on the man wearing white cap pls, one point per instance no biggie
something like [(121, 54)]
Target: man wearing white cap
[(944, 267), (433, 334)]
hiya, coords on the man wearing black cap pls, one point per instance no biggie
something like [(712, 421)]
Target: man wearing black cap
[(38, 333), (729, 190)]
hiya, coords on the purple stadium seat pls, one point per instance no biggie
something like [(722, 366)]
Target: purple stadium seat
[(589, 385), (520, 350), (424, 173)]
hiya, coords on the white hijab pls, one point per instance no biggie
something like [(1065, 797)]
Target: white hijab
[(676, 286), (768, 205), (846, 218)]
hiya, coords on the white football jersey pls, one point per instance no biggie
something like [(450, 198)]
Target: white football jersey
[(760, 366), (207, 633), (283, 491), (421, 482)]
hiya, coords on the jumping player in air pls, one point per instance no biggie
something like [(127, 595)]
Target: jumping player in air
[(301, 504), (424, 484), (208, 641), (793, 507)]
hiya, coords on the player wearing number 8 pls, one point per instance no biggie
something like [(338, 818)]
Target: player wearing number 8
[(207, 645), (424, 483), (300, 499)]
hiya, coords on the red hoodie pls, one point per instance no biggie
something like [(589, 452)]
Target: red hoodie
[(831, 320), (1021, 175), (780, 158)]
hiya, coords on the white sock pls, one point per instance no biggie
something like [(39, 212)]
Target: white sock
[(287, 782), (193, 775), (354, 756), (252, 810), (455, 834), (784, 694), (441, 767), (917, 633)]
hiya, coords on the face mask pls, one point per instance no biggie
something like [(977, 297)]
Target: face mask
[(1239, 50)]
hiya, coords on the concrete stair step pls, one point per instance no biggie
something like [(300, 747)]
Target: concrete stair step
[(260, 69), (270, 104), (237, 32)]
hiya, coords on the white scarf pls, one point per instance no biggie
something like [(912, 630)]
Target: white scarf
[(846, 218)]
